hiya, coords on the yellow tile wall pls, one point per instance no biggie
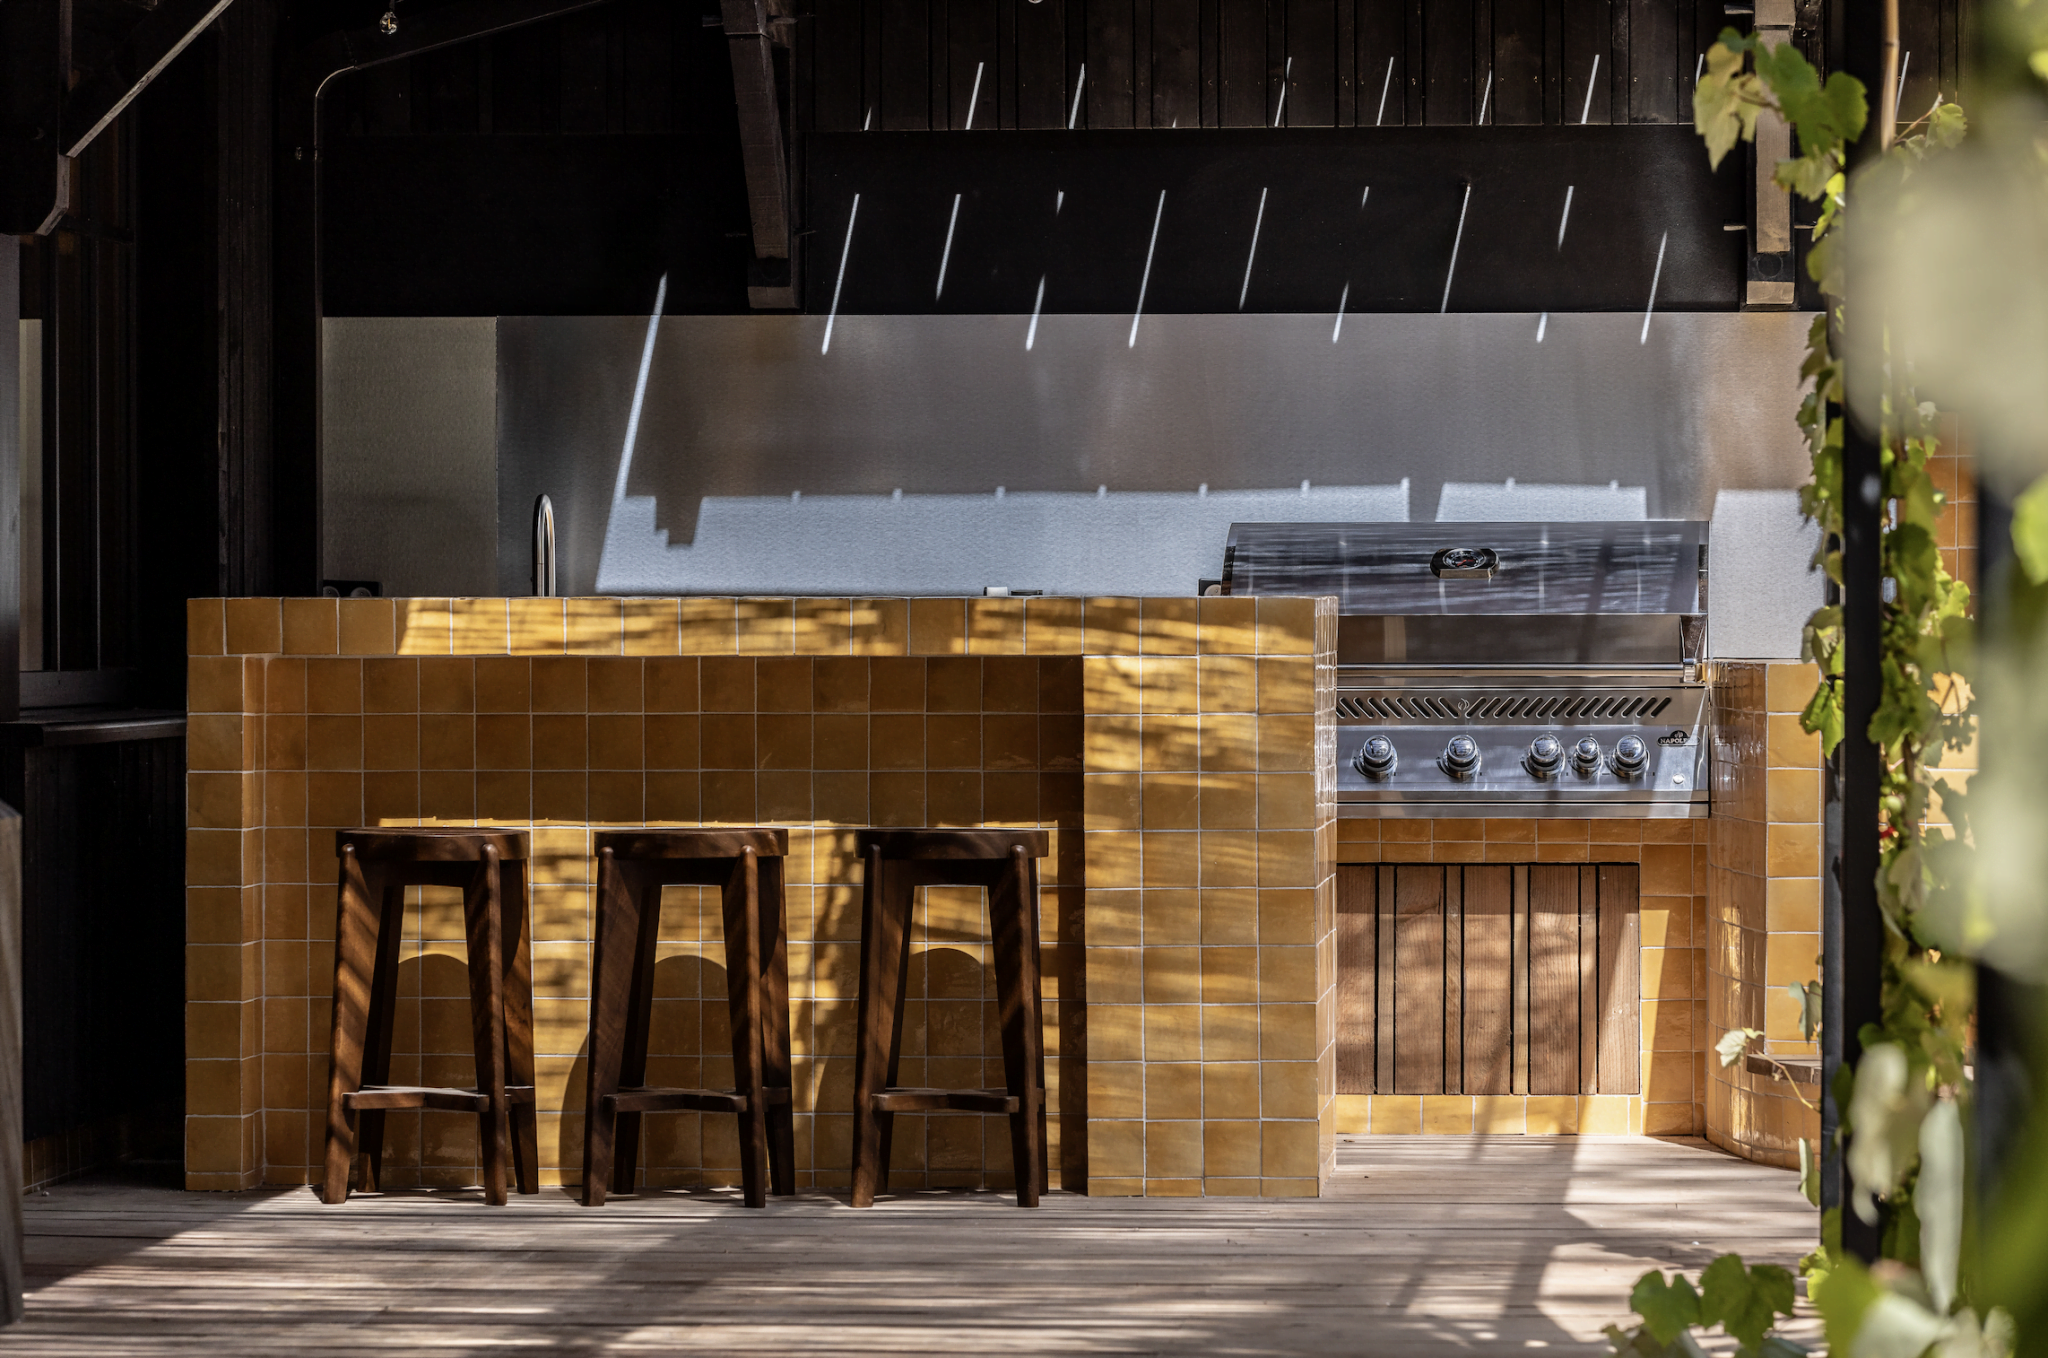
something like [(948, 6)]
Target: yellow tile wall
[(1672, 855), (1763, 919), (1210, 725)]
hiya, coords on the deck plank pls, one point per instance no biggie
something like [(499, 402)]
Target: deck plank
[(1487, 1244)]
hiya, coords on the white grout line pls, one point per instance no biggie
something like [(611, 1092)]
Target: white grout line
[(832, 318), (946, 254), (1281, 108), (868, 123), (1342, 301), (1031, 335), (1542, 324), (1644, 338), (1698, 66), (1257, 222), (1080, 83), (1587, 112), (1363, 196), (974, 99), (1566, 215), (1146, 280), (1456, 240), (1385, 85), (1899, 95), (1486, 100)]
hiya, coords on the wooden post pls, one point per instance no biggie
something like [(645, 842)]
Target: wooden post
[(1862, 927)]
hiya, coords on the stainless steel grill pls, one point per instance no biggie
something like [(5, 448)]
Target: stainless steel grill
[(1528, 669)]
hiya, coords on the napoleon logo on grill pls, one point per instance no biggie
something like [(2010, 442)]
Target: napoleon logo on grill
[(1464, 563)]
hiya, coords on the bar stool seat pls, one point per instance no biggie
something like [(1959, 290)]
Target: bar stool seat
[(897, 862), (377, 865), (632, 868)]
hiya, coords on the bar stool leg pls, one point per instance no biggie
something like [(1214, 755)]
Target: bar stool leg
[(645, 885), (377, 1038), (882, 936), (355, 946), (743, 1008), (482, 907), (775, 1030), (525, 1116), (611, 993), (1012, 913)]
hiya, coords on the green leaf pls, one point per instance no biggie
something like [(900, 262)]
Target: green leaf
[(1938, 1197), (2030, 531), (1809, 1172), (1946, 125), (1745, 1301), (1733, 1044), (1843, 1297), (1669, 1308)]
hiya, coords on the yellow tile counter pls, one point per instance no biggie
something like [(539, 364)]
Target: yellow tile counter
[(1180, 751)]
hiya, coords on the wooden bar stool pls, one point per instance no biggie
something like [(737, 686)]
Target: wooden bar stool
[(632, 868), (897, 863), (377, 865)]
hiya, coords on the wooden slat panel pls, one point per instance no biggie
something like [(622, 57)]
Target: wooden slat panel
[(1176, 63), (1450, 98), (1242, 63), (835, 72), (1653, 62), (1385, 1029), (1041, 65), (1312, 63), (1587, 30), (1488, 983), (1357, 972), (1553, 979), (1618, 51), (1107, 102), (1141, 63), (1589, 980), (1382, 79), (1517, 62), (1454, 981), (1620, 981), (1518, 974), (904, 104), (1347, 64), (971, 48), (1418, 979)]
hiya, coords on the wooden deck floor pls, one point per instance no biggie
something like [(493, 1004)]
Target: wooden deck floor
[(1501, 1245)]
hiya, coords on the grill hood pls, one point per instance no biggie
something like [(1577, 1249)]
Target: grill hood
[(1541, 595)]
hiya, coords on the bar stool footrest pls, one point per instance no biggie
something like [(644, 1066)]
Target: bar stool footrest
[(382, 1098), (909, 1100), (653, 1099)]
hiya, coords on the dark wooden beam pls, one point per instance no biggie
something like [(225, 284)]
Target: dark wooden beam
[(753, 81), (151, 45)]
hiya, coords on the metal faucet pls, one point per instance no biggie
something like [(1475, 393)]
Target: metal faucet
[(543, 548)]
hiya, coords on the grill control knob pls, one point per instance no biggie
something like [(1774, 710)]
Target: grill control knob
[(1377, 760), (1546, 756), (1461, 757), (1586, 756), (1630, 755)]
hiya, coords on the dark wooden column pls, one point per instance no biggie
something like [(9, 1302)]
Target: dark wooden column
[(1860, 938), (10, 480), (248, 42)]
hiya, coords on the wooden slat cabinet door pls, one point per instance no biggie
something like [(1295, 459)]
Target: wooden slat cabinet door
[(1493, 979)]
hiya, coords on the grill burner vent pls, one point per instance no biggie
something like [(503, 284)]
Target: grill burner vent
[(1524, 707)]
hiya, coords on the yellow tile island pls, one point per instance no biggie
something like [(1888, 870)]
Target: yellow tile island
[(1181, 752)]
